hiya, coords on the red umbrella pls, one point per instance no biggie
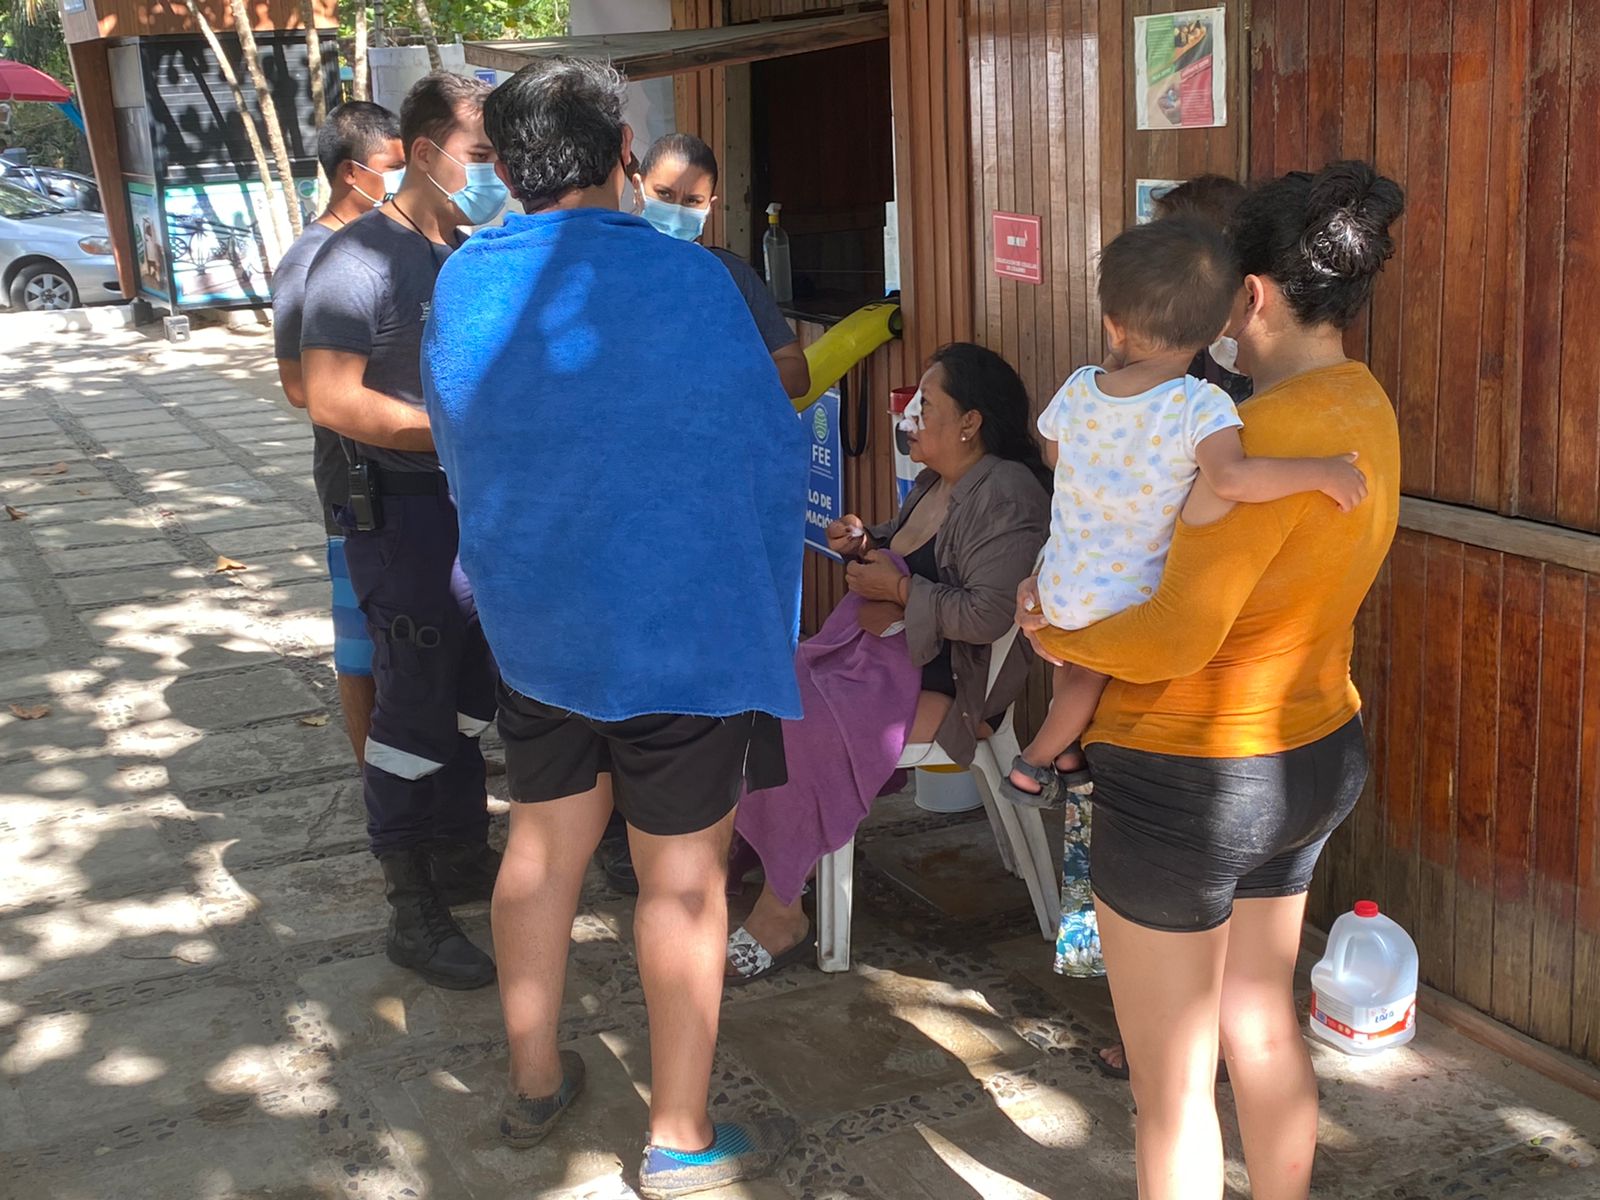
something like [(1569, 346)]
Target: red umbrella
[(18, 81)]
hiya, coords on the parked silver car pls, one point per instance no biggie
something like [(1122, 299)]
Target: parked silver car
[(69, 189), (51, 258)]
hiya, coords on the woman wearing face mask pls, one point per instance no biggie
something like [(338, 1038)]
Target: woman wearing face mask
[(677, 183), (945, 569)]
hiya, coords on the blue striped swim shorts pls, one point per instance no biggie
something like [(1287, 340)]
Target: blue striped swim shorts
[(352, 646)]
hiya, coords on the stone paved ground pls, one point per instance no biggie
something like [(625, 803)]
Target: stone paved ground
[(193, 996)]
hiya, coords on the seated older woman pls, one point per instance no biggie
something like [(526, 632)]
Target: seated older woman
[(905, 657)]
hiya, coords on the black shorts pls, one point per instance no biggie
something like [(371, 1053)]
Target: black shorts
[(1176, 840), (670, 774)]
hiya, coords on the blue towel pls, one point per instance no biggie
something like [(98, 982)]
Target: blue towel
[(630, 474)]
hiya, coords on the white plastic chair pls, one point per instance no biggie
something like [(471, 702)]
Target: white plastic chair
[(1018, 832)]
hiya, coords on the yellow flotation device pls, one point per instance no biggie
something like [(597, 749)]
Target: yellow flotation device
[(846, 344)]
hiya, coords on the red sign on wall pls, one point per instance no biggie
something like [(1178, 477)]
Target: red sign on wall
[(1018, 251)]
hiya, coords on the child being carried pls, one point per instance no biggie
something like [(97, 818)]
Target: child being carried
[(1127, 441)]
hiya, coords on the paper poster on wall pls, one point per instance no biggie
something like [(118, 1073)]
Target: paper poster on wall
[(149, 247), (1180, 69), (824, 481), (1146, 193)]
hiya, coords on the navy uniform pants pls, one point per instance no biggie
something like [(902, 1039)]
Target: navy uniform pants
[(434, 675)]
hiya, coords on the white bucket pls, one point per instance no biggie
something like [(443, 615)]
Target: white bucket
[(946, 790)]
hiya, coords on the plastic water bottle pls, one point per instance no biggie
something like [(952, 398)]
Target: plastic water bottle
[(1364, 991), (775, 249)]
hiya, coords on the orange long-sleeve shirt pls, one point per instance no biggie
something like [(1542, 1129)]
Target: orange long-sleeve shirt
[(1245, 647)]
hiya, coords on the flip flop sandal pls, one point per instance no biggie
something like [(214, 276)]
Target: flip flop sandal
[(1052, 791), (1109, 1071), (752, 961)]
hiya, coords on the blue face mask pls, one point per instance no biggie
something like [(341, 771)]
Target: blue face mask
[(675, 220), (482, 196)]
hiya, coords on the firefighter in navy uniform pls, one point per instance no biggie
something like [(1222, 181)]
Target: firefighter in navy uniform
[(367, 298)]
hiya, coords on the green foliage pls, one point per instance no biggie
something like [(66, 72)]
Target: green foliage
[(486, 19), (51, 140), (31, 33), (478, 20)]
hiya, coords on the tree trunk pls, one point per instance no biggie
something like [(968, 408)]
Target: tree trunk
[(380, 23), (251, 132), (358, 67), (319, 96), (425, 24), (269, 111)]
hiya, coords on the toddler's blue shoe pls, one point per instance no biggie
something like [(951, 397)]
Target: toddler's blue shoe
[(740, 1151)]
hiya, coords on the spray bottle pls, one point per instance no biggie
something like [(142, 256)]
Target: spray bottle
[(775, 249)]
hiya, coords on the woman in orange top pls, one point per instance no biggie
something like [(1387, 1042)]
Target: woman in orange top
[(1228, 746)]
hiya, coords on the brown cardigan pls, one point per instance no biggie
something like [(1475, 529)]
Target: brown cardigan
[(996, 524)]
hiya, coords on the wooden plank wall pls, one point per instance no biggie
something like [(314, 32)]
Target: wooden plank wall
[(1482, 328), (1480, 670), (700, 98), (1052, 135)]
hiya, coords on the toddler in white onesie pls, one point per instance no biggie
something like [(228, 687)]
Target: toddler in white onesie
[(1127, 441)]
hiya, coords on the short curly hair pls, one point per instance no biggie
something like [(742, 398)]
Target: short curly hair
[(557, 127)]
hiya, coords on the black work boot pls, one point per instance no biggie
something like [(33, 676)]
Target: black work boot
[(423, 936), (464, 872)]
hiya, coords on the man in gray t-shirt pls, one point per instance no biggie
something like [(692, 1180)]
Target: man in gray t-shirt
[(359, 149), (367, 298)]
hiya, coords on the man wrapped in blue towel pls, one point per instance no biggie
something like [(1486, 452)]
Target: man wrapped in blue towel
[(631, 479)]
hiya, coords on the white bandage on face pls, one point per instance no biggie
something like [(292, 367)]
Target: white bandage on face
[(911, 419)]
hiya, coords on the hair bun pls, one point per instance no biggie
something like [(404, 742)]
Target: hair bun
[(1348, 214)]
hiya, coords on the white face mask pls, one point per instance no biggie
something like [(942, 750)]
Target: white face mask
[(391, 183), (1225, 350)]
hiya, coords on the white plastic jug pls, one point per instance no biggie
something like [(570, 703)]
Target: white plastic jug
[(1364, 991)]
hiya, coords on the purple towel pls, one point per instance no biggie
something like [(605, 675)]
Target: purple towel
[(860, 695)]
